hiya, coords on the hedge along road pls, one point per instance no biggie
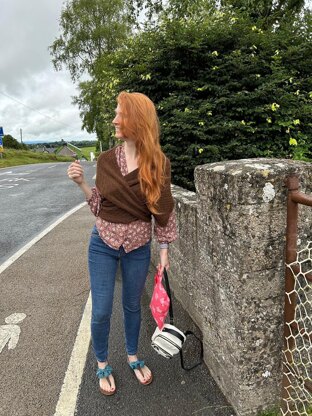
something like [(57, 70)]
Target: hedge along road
[(31, 198)]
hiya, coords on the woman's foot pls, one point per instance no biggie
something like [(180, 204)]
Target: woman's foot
[(107, 382), (141, 371)]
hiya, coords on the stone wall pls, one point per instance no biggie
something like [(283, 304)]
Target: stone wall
[(227, 269)]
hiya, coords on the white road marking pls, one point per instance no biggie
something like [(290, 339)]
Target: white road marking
[(21, 173), (68, 396), (4, 186), (66, 404), (20, 252), (9, 333), (10, 185), (50, 167), (15, 180)]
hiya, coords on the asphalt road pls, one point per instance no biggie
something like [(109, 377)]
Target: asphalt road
[(31, 198)]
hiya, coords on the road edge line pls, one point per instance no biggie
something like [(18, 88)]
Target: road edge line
[(66, 404), (27, 246)]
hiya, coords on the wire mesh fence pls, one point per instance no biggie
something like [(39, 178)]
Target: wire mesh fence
[(297, 354), (297, 399)]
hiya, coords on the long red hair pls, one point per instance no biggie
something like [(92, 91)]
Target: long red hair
[(141, 124)]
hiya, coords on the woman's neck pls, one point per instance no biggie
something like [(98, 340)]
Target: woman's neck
[(130, 149)]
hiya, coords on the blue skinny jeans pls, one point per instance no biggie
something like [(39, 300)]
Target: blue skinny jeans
[(103, 262)]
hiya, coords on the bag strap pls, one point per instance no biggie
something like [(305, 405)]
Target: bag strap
[(186, 333), (175, 333), (169, 294)]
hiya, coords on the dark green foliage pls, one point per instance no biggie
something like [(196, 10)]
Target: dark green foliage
[(10, 143), (224, 88), (267, 11)]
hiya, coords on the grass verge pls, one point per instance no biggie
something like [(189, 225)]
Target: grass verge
[(11, 157)]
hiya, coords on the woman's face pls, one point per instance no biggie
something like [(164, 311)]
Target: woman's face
[(118, 122)]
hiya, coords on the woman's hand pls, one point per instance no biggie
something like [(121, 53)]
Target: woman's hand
[(75, 172), (164, 260)]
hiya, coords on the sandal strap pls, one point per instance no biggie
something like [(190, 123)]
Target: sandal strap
[(137, 364), (104, 372)]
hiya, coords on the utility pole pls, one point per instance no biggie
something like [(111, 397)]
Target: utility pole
[(21, 133)]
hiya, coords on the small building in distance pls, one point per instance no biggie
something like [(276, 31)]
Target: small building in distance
[(45, 149), (66, 151)]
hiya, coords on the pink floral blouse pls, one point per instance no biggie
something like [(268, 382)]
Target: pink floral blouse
[(136, 233)]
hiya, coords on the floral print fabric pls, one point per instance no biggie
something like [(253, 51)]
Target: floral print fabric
[(136, 233)]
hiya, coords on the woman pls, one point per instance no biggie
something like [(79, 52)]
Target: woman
[(132, 185)]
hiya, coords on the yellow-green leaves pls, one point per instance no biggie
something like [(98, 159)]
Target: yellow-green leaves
[(146, 77), (293, 142), (275, 106), (256, 29)]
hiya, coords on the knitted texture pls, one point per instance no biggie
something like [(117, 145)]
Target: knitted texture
[(122, 199)]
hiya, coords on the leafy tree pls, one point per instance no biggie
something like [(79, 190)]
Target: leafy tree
[(224, 87), (229, 83), (268, 11), (89, 30), (173, 8), (11, 143), (97, 101)]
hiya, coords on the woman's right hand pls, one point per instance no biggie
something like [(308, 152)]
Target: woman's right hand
[(75, 172)]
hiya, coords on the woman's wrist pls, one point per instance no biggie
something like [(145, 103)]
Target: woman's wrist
[(86, 189)]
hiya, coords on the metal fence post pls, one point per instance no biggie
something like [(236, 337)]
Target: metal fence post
[(292, 184)]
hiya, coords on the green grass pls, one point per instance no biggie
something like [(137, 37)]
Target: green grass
[(278, 413), (86, 151), (11, 157), (271, 413)]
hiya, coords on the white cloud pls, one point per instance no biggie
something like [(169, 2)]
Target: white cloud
[(28, 77)]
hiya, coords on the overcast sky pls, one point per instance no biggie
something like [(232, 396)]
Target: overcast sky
[(28, 77)]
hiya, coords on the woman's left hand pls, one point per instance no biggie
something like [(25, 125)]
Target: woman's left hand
[(164, 260)]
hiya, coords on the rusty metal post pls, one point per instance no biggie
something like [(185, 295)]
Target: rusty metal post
[(292, 184)]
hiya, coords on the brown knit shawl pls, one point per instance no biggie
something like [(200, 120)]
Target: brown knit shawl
[(122, 199)]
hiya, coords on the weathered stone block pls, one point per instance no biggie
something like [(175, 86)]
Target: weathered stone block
[(227, 269)]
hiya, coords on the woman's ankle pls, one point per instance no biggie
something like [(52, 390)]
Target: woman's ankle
[(102, 364), (132, 358)]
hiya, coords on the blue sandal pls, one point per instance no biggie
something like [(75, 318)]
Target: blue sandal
[(105, 373), (137, 365)]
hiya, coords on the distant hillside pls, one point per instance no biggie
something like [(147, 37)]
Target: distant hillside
[(81, 143)]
